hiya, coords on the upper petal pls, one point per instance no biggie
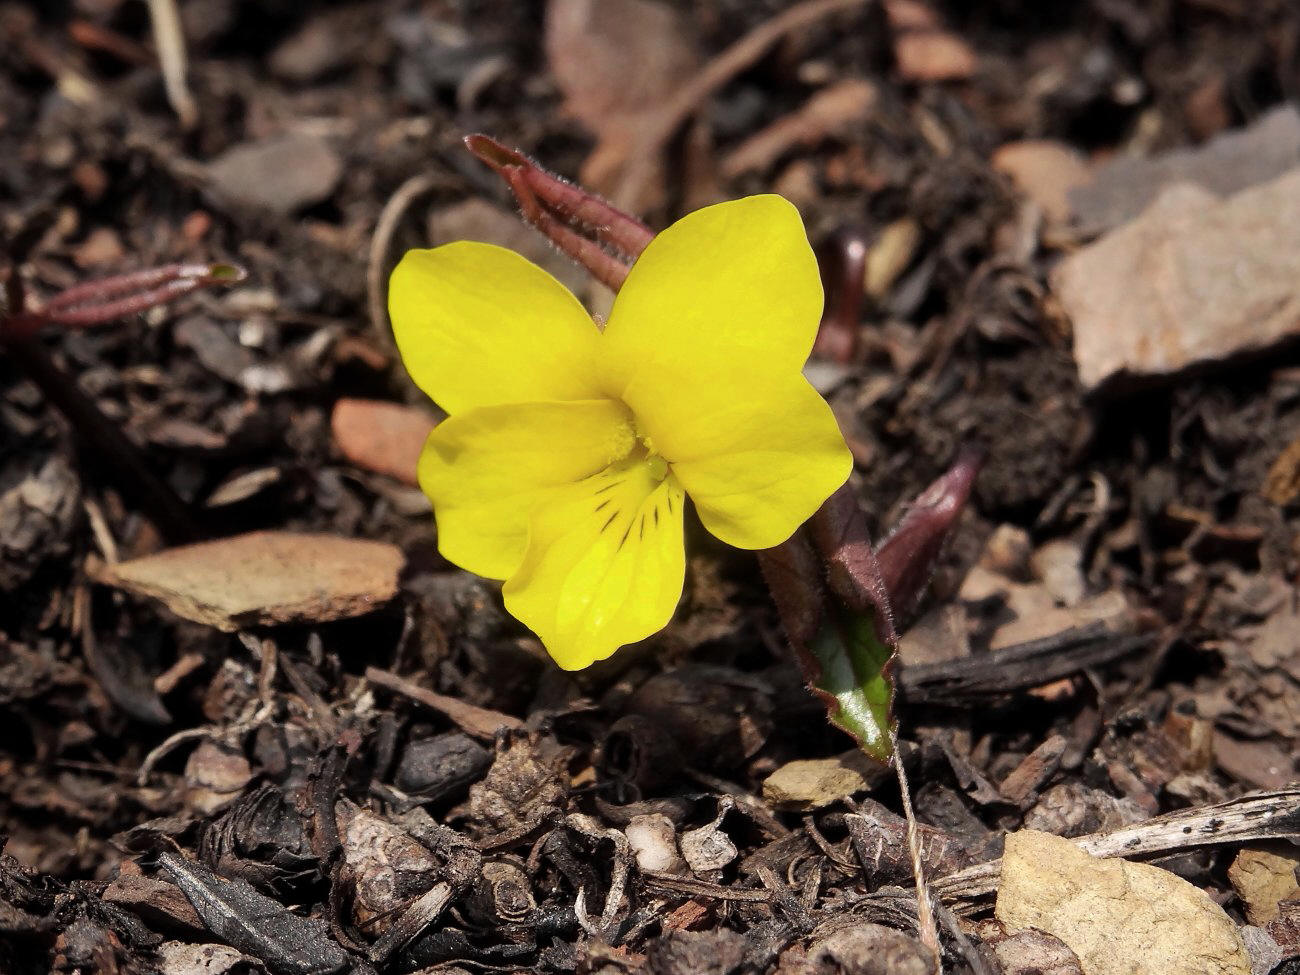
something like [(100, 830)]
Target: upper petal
[(605, 565), (735, 283), (758, 462), (487, 469), (478, 325)]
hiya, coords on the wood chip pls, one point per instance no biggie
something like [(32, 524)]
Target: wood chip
[(380, 436), (264, 578), (1045, 171)]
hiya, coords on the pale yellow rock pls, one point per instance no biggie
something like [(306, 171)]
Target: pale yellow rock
[(1262, 876), (1120, 918), (813, 783)]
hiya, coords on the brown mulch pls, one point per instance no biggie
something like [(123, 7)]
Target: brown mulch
[(1109, 640)]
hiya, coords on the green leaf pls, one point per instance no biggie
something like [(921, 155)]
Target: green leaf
[(855, 680)]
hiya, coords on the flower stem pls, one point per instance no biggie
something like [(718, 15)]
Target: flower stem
[(600, 237)]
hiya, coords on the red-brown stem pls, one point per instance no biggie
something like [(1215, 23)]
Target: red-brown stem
[(839, 531), (553, 204), (94, 303), (121, 296), (842, 259), (608, 269)]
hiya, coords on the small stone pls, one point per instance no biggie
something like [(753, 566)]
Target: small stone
[(1119, 918), (1229, 163), (1059, 566), (653, 840), (1263, 876), (280, 175)]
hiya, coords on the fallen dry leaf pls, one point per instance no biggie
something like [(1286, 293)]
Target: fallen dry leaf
[(264, 578), (1193, 279), (616, 61), (1120, 918), (1263, 876), (380, 436)]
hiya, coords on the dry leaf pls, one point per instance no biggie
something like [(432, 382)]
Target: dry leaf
[(616, 61), (264, 578), (1120, 918)]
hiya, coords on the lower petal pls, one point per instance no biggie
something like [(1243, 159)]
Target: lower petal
[(485, 471), (604, 567)]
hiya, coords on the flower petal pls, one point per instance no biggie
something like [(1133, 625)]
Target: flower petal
[(487, 469), (605, 565), (734, 284), (757, 462), (478, 325)]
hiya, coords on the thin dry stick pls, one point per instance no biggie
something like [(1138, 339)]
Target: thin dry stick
[(925, 924), (382, 239), (170, 41), (683, 103)]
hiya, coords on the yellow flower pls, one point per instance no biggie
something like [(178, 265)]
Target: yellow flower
[(568, 453)]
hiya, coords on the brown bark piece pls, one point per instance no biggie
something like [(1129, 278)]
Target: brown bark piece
[(264, 578)]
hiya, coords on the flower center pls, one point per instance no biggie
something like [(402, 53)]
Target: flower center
[(656, 465)]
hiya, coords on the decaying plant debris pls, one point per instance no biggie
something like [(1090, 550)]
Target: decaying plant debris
[(388, 775)]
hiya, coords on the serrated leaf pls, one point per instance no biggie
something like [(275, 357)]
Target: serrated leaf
[(854, 679)]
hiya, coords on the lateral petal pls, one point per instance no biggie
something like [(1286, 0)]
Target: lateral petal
[(487, 469), (605, 565), (478, 325), (757, 462)]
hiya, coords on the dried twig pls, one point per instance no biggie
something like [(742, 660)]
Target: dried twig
[(170, 41), (381, 241), (479, 722), (925, 924), (659, 129)]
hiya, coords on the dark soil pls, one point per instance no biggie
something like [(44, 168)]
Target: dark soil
[(303, 785)]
